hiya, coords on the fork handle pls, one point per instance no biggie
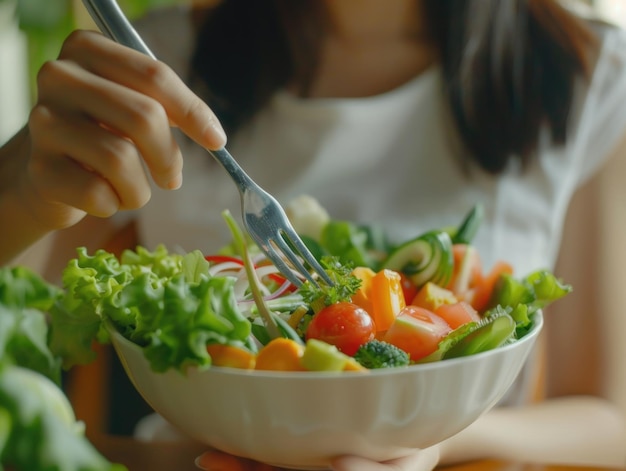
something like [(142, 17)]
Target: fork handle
[(112, 22)]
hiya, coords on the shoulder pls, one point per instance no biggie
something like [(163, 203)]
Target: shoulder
[(609, 55), (612, 51), (598, 121), (608, 79)]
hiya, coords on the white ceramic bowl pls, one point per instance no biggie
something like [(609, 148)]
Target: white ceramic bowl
[(300, 420)]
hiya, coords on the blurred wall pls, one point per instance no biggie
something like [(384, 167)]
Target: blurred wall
[(14, 85), (612, 10)]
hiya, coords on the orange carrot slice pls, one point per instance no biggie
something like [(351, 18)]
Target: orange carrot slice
[(231, 356), (280, 354)]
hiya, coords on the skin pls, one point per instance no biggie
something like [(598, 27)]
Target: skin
[(83, 153), (100, 130)]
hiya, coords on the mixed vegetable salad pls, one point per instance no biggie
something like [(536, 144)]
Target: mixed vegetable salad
[(389, 306), (426, 299)]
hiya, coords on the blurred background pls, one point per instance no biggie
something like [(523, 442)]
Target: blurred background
[(31, 32)]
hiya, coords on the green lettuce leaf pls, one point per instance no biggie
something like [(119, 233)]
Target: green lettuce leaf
[(38, 429), (23, 324), (348, 242), (166, 303)]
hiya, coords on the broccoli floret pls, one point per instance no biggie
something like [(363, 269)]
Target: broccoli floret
[(379, 354)]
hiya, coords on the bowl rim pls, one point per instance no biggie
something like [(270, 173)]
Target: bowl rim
[(538, 322)]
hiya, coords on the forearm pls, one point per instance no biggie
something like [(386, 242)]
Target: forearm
[(20, 228), (575, 430)]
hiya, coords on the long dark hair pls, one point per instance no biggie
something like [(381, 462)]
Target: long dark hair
[(509, 66)]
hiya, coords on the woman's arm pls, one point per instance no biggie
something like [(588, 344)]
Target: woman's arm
[(579, 430), (20, 228), (99, 131), (28, 238)]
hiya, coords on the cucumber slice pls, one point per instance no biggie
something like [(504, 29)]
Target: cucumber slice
[(468, 228), (425, 258), (489, 334), (320, 356)]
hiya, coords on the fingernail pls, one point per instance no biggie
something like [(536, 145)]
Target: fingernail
[(176, 182), (216, 135), (198, 462), (219, 129), (219, 461)]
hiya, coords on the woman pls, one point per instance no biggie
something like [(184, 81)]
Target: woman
[(401, 113)]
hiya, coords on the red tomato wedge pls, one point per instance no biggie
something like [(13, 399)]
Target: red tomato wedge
[(344, 325), (483, 291), (408, 288), (417, 331), (457, 314), (467, 272)]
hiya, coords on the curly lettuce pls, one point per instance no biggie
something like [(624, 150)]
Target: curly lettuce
[(38, 429), (166, 303)]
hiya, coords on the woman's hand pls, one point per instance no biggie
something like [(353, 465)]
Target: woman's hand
[(100, 125), (421, 460)]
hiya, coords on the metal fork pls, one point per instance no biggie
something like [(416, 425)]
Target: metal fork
[(263, 217)]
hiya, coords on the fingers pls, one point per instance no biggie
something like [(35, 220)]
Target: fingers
[(420, 460), (84, 165), (119, 109), (122, 110), (218, 461), (137, 71), (102, 122)]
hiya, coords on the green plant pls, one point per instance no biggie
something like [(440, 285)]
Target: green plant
[(46, 23)]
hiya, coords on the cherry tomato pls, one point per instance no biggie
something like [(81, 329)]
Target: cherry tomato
[(344, 325), (483, 291), (417, 331)]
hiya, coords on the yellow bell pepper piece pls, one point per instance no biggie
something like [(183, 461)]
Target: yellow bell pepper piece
[(387, 298), (431, 296), (362, 297)]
